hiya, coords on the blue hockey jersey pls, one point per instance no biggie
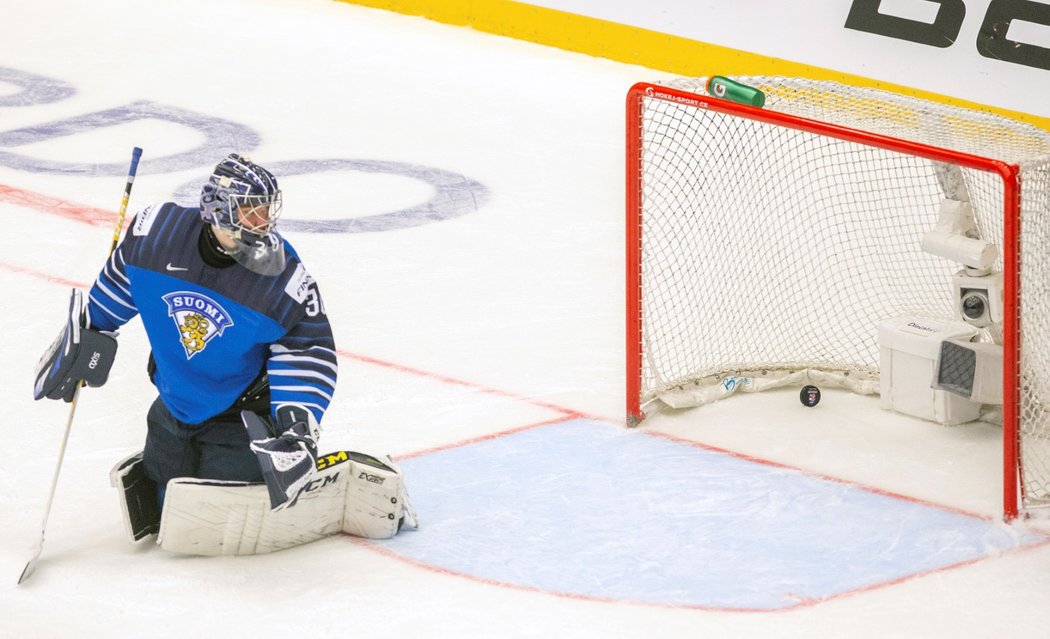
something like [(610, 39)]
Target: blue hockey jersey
[(213, 329)]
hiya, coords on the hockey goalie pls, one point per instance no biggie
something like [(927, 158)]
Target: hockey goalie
[(243, 360)]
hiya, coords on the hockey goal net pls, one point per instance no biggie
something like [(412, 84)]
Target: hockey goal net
[(765, 245)]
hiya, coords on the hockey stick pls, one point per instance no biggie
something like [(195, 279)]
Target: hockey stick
[(136, 153)]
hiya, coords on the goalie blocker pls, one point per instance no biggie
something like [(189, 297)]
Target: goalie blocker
[(78, 354), (351, 493)]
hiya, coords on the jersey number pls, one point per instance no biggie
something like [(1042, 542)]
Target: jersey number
[(314, 304)]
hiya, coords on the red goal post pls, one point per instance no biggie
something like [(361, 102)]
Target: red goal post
[(764, 245)]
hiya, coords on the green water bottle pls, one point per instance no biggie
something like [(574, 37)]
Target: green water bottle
[(722, 87)]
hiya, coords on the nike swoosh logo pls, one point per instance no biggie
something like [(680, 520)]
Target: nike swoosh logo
[(176, 268)]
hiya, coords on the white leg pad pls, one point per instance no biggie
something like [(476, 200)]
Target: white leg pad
[(351, 492), (375, 498), (138, 497)]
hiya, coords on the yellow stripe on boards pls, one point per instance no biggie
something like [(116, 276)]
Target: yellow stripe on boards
[(634, 45)]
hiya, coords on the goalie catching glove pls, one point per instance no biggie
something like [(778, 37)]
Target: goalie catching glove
[(289, 459), (78, 354)]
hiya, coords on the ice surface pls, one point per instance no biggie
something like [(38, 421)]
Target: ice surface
[(459, 338)]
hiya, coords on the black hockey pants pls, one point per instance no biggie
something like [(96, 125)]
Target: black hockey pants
[(215, 449)]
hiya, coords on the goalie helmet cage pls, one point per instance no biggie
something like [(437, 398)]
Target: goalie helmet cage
[(765, 245)]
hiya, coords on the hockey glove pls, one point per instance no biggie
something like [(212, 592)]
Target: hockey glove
[(77, 355), (288, 460)]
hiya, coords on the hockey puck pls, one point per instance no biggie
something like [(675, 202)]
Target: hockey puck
[(810, 396)]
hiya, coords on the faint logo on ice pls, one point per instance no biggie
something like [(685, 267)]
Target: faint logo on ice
[(451, 195), (448, 194)]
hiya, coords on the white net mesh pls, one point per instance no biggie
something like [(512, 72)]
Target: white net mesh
[(770, 252)]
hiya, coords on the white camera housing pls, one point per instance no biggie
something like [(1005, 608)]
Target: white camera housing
[(909, 350), (954, 238), (978, 299)]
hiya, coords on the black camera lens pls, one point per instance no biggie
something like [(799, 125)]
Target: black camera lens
[(973, 306)]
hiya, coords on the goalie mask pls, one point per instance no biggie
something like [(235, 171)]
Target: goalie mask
[(244, 201)]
